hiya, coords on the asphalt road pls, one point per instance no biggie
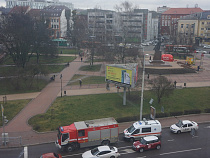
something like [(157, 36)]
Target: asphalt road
[(182, 145)]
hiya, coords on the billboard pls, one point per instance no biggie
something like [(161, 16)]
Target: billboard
[(123, 74)]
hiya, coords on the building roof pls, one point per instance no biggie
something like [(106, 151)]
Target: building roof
[(19, 10), (182, 11), (34, 12), (53, 11), (205, 15)]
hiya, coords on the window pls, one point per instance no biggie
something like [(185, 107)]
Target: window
[(185, 125), (81, 133), (65, 136), (182, 25), (104, 152), (145, 130), (190, 125), (136, 131), (187, 25), (202, 28), (202, 23)]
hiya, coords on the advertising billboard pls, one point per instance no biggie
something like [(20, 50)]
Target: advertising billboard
[(124, 74)]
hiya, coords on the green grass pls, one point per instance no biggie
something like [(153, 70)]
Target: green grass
[(87, 80), (12, 108), (67, 110), (92, 68), (43, 60), (67, 51)]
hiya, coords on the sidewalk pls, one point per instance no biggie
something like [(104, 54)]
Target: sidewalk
[(41, 101)]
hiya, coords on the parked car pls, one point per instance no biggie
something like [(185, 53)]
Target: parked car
[(145, 44), (51, 155), (102, 151), (201, 51), (183, 126), (206, 47), (147, 143)]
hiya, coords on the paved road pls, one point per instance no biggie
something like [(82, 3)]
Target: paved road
[(173, 145)]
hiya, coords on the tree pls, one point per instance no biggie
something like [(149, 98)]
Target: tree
[(161, 86)]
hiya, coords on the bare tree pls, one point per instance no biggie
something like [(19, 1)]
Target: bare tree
[(161, 86)]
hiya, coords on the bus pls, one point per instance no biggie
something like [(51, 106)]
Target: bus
[(185, 49)]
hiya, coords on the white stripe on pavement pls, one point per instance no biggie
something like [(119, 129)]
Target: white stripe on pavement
[(180, 151)]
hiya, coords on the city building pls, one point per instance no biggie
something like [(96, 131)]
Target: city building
[(169, 21), (37, 4), (162, 9), (58, 17)]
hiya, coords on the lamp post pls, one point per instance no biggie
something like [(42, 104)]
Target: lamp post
[(61, 83), (142, 88)]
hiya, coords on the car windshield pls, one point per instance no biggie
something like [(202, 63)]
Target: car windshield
[(94, 151), (131, 129), (143, 141), (179, 124)]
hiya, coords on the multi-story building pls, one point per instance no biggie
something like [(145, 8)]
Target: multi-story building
[(152, 25), (37, 4), (131, 25), (162, 9), (58, 17), (204, 28), (102, 24), (194, 29), (169, 20)]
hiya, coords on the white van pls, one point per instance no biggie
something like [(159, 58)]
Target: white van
[(143, 128)]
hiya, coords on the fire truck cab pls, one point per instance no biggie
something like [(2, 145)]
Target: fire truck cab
[(87, 133)]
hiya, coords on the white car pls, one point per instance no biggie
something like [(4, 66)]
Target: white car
[(183, 126), (102, 152), (206, 47), (201, 51)]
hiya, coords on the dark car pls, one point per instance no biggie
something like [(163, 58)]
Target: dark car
[(147, 143)]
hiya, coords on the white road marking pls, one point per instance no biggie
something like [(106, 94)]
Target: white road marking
[(72, 155), (124, 147), (207, 127), (180, 151), (128, 151), (171, 140)]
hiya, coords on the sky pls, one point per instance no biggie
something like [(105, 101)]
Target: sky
[(141, 4)]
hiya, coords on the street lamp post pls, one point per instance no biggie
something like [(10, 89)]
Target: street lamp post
[(61, 83), (142, 88)]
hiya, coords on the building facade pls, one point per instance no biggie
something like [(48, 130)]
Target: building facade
[(169, 21), (37, 4)]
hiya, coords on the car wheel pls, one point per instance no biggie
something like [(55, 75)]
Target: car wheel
[(132, 139), (70, 148), (178, 132), (112, 157), (158, 147), (141, 150), (105, 142)]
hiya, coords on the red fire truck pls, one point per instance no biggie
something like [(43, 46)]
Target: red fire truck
[(87, 133)]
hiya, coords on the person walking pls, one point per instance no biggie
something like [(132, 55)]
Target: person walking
[(80, 82)]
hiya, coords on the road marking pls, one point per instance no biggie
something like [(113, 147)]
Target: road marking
[(124, 147), (128, 151), (207, 127), (171, 140), (180, 151), (72, 155)]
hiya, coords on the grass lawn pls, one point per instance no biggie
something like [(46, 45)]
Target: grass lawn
[(67, 110), (87, 80), (43, 60), (92, 68), (67, 51), (12, 108)]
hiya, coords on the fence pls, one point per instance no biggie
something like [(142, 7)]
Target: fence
[(10, 141)]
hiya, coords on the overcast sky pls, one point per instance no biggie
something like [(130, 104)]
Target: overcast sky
[(142, 4)]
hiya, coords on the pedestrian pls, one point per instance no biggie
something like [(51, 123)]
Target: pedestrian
[(81, 59), (148, 76), (68, 64), (175, 84), (80, 82)]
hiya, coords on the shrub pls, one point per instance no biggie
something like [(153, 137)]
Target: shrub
[(207, 110), (176, 113), (193, 111)]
